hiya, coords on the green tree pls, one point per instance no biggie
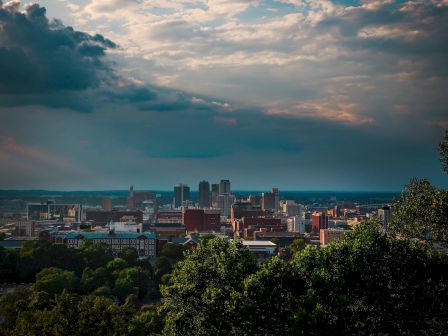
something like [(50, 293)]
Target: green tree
[(148, 322), (54, 280), (173, 251), (421, 212), (138, 277), (162, 266), (267, 301), (130, 255), (369, 284), (96, 254), (12, 304), (291, 249), (198, 300)]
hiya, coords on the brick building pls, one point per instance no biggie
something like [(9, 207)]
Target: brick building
[(199, 220)]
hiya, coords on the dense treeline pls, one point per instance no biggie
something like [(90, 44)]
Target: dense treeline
[(84, 291), (365, 284), (368, 283)]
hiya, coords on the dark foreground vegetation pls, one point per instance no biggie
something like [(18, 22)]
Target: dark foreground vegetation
[(366, 284)]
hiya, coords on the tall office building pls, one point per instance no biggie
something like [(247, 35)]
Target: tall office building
[(181, 195), (204, 194), (225, 202), (384, 215), (319, 221), (224, 187), (215, 193), (268, 201), (296, 224), (276, 198)]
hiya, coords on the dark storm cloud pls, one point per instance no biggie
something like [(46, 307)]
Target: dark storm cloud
[(39, 57), (417, 30)]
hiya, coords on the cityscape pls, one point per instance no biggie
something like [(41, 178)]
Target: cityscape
[(212, 209), (223, 167)]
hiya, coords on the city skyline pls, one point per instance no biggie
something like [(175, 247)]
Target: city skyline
[(301, 95)]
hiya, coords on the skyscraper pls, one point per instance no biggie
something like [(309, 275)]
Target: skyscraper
[(384, 215), (225, 202), (224, 187), (204, 194), (319, 221), (181, 194), (276, 198), (215, 192), (268, 201)]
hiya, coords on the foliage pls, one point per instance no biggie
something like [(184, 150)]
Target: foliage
[(296, 245), (421, 212), (198, 298), (368, 284), (54, 280)]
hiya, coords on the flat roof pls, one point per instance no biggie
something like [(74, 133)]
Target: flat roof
[(258, 243), (101, 235)]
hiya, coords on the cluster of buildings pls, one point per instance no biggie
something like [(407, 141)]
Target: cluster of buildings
[(262, 222)]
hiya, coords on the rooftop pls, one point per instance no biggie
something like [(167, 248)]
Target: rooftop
[(102, 235), (258, 243)]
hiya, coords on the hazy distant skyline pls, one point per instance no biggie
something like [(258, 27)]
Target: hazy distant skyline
[(300, 95)]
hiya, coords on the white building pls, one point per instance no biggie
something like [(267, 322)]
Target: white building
[(128, 226), (296, 224), (291, 208), (263, 249)]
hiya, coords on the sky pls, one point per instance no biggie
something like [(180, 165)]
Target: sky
[(294, 94)]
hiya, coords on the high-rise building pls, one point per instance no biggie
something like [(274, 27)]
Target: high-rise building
[(296, 224), (204, 194), (215, 193), (268, 201), (224, 202), (224, 187), (276, 198), (319, 221), (107, 204), (384, 215), (181, 195)]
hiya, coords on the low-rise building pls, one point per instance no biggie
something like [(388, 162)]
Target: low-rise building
[(262, 249), (328, 235), (144, 243)]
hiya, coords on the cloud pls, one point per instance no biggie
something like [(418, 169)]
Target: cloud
[(39, 58)]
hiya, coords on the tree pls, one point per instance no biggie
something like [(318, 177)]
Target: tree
[(421, 212), (148, 322), (96, 254), (12, 304), (291, 249), (268, 298), (198, 299), (162, 266), (443, 150), (129, 254), (137, 277), (368, 283), (54, 280), (173, 251)]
